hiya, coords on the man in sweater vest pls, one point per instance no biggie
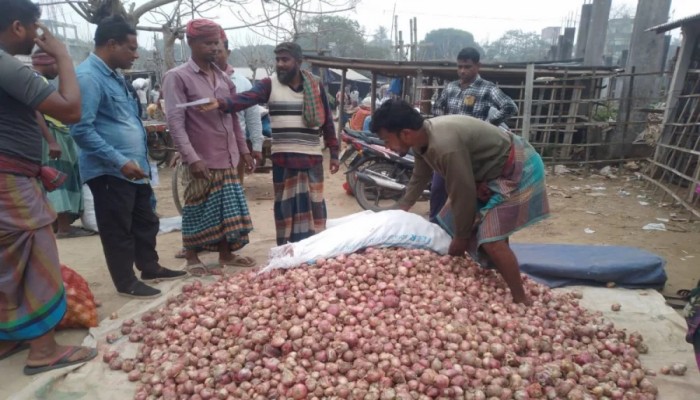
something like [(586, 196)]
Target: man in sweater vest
[(301, 118)]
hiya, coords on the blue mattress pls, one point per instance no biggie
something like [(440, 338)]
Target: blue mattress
[(557, 265)]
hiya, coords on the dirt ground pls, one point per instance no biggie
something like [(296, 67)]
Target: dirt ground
[(609, 208)]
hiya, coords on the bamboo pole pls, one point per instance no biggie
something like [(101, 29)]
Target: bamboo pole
[(341, 106), (527, 108)]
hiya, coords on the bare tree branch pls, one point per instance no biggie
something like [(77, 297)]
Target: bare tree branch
[(58, 3), (148, 6)]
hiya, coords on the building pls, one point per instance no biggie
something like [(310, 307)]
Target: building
[(68, 33), (617, 40), (551, 34)]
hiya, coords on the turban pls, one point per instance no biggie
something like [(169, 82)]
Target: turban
[(223, 34), (203, 28), (41, 58)]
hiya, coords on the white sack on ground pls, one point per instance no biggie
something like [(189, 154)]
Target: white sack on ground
[(349, 234)]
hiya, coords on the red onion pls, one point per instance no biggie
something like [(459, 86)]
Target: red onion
[(384, 323)]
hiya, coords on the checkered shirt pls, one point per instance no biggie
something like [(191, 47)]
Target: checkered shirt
[(475, 100)]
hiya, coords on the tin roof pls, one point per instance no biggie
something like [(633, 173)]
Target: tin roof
[(675, 24)]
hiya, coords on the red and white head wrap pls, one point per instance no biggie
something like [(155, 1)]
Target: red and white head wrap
[(203, 29)]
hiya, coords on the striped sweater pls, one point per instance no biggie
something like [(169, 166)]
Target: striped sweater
[(289, 134), (261, 93)]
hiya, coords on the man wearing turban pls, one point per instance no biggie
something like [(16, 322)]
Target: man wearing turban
[(215, 216)]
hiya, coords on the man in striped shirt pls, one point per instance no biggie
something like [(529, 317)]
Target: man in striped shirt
[(302, 124)]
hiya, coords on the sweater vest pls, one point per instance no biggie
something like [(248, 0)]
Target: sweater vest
[(289, 133)]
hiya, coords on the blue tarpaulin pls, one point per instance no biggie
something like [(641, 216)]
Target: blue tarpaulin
[(557, 265)]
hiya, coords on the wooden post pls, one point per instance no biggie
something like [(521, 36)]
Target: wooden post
[(417, 83), (374, 92), (527, 108), (341, 106)]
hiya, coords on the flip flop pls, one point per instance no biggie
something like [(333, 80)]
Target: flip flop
[(61, 361), (239, 261), (19, 347)]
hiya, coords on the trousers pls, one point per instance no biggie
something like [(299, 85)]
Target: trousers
[(127, 226)]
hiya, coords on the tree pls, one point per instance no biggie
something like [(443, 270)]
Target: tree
[(168, 20), (254, 54), (284, 20), (168, 17), (380, 46), (380, 38), (445, 44), (517, 46), (329, 32)]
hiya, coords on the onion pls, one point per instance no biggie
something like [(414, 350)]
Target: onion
[(379, 324), (678, 369)]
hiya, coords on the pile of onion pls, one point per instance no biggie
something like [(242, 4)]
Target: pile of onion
[(381, 324)]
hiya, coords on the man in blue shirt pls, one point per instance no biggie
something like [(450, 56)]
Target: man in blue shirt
[(114, 161)]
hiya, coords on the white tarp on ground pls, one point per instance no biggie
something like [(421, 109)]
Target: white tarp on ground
[(644, 311)]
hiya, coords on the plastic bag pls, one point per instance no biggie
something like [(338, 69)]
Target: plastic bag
[(88, 219), (354, 232), (82, 310)]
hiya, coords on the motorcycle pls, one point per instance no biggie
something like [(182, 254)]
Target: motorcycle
[(379, 176), (352, 155)]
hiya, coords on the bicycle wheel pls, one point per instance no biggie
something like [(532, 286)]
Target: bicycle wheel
[(178, 185), (160, 148)]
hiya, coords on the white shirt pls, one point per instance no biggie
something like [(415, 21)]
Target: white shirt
[(250, 117)]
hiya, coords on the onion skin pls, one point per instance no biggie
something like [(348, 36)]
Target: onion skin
[(379, 324)]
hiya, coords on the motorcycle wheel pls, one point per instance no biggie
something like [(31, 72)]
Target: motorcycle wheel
[(372, 197), (178, 185), (159, 150), (350, 176)]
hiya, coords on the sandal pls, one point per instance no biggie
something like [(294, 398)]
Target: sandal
[(61, 361), (198, 269), (239, 261), (19, 347)]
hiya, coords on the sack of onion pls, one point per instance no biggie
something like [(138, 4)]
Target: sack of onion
[(81, 306), (379, 324)]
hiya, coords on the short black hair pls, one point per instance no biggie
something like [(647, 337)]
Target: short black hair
[(469, 54), (113, 27), (395, 116), (23, 11), (292, 48)]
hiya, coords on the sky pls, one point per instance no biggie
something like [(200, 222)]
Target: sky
[(486, 20)]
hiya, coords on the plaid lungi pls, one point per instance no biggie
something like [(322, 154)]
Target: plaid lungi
[(215, 209), (691, 312), (32, 298), (300, 211), (518, 199)]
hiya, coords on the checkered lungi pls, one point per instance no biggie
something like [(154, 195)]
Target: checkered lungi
[(215, 209)]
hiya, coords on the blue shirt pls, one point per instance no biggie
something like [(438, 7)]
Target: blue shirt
[(110, 132)]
